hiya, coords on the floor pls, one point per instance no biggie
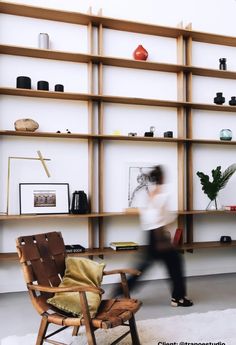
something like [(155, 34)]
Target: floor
[(215, 292)]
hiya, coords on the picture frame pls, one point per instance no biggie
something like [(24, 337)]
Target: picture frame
[(138, 183), (44, 198)]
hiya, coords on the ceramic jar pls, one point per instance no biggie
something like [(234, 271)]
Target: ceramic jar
[(219, 99), (140, 53)]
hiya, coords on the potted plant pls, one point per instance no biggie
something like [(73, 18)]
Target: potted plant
[(219, 181)]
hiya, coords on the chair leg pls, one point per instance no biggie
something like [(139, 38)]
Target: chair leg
[(42, 331), (134, 332), (90, 334), (75, 330)]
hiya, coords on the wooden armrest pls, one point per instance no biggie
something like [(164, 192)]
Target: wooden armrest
[(132, 271), (75, 288)]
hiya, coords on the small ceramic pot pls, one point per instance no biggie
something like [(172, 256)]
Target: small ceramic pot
[(232, 101)]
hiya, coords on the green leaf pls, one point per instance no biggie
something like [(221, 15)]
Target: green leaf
[(219, 180)]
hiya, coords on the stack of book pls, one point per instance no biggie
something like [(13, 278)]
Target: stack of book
[(124, 245), (74, 248), (229, 208)]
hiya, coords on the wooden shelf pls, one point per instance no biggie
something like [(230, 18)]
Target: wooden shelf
[(4, 217), (208, 245), (115, 24), (113, 99)]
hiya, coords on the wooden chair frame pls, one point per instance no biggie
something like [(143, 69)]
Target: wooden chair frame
[(42, 258)]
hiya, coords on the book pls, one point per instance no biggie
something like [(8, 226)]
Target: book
[(124, 245), (74, 248), (229, 208), (177, 236)]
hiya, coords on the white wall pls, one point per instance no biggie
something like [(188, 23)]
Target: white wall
[(69, 158)]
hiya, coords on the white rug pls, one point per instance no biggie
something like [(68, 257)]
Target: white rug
[(214, 328)]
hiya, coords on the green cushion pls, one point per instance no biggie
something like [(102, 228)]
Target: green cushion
[(83, 272)]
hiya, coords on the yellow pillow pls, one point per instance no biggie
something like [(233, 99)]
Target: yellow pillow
[(79, 271)]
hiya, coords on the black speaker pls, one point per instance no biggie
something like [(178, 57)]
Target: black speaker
[(23, 82)]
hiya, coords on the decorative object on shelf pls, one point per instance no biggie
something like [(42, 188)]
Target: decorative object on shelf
[(219, 181), (140, 53), (59, 87), (222, 65), (23, 82), (168, 134), (226, 134), (26, 125), (58, 132), (116, 132), (177, 236), (40, 158), (43, 40), (225, 239), (124, 245), (79, 203), (67, 131), (219, 99), (43, 85), (232, 101), (44, 198), (132, 134), (74, 248), (150, 133)]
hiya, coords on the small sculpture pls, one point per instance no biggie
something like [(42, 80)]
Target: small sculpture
[(151, 133), (219, 99), (140, 53), (222, 65), (28, 125), (132, 134)]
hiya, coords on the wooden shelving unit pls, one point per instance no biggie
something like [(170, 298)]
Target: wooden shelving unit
[(183, 104)]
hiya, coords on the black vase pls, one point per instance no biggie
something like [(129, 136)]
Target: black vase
[(222, 65), (43, 85), (59, 87), (79, 203), (219, 99), (232, 101)]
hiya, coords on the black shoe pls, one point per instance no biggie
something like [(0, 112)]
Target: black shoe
[(182, 302)]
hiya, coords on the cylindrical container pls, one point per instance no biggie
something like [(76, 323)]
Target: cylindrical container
[(59, 87), (168, 134), (226, 134), (232, 101), (43, 85), (23, 82), (43, 40)]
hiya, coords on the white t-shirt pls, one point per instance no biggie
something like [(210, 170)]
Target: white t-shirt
[(156, 213)]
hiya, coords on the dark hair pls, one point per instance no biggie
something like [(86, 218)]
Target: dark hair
[(156, 175)]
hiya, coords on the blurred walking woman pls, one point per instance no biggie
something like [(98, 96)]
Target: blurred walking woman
[(154, 218)]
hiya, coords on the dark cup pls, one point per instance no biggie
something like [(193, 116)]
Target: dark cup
[(23, 82), (43, 85), (59, 87)]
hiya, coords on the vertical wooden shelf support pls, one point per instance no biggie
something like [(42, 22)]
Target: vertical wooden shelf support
[(189, 134), (181, 132)]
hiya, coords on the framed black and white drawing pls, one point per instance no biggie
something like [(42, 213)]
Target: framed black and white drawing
[(138, 183), (44, 198)]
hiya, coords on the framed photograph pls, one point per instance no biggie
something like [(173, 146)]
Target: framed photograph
[(44, 198), (138, 183)]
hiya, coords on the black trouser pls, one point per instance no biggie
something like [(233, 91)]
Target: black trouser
[(159, 250)]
